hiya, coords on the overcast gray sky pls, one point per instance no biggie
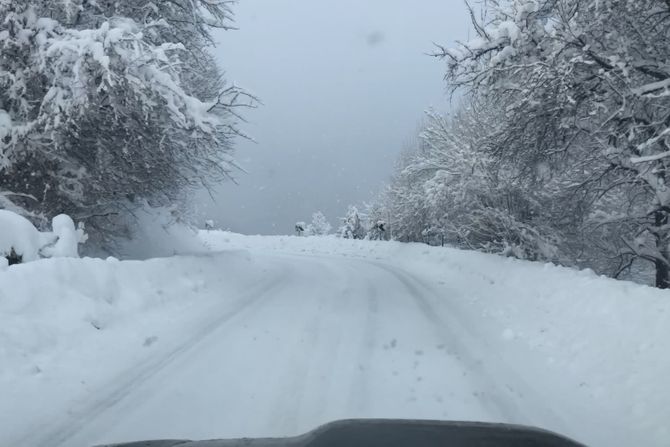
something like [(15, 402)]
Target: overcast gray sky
[(344, 84)]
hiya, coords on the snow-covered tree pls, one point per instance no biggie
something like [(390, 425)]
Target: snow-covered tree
[(352, 225), (584, 84), (319, 225), (451, 190), (108, 105), (406, 207), (377, 227)]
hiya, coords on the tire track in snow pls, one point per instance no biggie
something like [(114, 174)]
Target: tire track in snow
[(358, 399), (298, 369), (340, 327), (483, 362)]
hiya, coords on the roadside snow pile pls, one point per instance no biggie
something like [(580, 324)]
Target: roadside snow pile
[(591, 351), (19, 239), (66, 238), (69, 326)]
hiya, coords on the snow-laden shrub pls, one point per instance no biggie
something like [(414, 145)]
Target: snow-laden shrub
[(498, 231), (21, 242), (376, 230), (300, 228), (66, 239), (19, 239), (352, 225)]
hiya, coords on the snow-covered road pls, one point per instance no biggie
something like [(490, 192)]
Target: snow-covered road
[(273, 337), (319, 339)]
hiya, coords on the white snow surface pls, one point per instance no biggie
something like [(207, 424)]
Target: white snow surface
[(67, 238), (272, 336), (18, 234)]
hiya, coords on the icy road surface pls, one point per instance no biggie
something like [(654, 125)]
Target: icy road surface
[(263, 341)]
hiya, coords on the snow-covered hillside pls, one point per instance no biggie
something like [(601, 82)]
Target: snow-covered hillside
[(258, 336)]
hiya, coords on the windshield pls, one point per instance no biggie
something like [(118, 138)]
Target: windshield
[(249, 219)]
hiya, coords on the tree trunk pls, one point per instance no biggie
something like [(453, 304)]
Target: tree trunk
[(662, 275), (662, 267)]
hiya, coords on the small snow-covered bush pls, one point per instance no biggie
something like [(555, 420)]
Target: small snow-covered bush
[(64, 239), (300, 228), (21, 242), (319, 226), (352, 225), (19, 239)]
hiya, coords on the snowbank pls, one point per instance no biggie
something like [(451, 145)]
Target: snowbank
[(592, 350), (68, 326), (18, 237), (67, 237)]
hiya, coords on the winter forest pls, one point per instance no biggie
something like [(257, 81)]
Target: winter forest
[(555, 150)]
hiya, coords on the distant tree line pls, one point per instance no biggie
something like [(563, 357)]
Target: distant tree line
[(354, 225), (559, 147)]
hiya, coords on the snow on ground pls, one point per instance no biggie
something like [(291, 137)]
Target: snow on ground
[(260, 336), (18, 237), (70, 326), (17, 234), (594, 351)]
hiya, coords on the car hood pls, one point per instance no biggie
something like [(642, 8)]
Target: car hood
[(393, 433)]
